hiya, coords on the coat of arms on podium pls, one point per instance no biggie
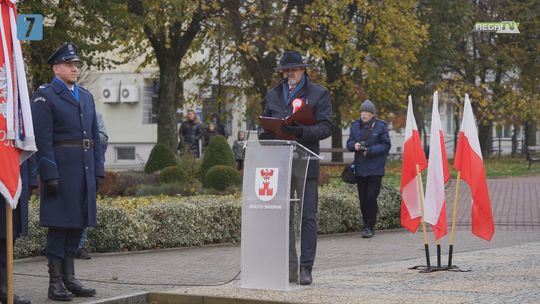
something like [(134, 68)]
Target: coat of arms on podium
[(266, 182)]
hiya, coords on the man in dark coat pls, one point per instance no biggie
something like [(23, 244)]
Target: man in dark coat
[(280, 101), (70, 163), (190, 133), (370, 141), (20, 224)]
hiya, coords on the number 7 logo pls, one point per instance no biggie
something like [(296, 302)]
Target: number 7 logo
[(30, 27)]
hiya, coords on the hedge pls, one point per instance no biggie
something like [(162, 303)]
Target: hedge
[(136, 223)]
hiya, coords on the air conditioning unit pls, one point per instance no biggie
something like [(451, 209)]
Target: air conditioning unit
[(109, 94), (129, 93)]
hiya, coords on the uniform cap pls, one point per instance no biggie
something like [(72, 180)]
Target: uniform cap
[(65, 53)]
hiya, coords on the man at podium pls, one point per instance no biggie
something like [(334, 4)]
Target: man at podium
[(295, 91)]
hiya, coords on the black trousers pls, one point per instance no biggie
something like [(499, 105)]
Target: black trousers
[(62, 242), (368, 191), (308, 242)]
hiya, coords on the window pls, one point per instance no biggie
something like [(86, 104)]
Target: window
[(150, 97), (125, 153)]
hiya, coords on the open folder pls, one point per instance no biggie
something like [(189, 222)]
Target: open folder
[(303, 116)]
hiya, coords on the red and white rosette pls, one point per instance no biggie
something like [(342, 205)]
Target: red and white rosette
[(297, 103)]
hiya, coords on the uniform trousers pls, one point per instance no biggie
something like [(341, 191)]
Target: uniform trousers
[(62, 242)]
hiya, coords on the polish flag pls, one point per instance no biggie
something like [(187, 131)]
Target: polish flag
[(16, 131), (469, 162), (437, 175), (413, 155)]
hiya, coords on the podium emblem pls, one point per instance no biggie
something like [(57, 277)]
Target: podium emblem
[(266, 182)]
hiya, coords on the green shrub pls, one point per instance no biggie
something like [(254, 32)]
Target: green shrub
[(160, 157), (170, 221), (221, 177), (218, 153), (172, 175), (168, 189), (191, 165)]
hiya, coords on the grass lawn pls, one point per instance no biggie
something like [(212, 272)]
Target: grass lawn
[(495, 167)]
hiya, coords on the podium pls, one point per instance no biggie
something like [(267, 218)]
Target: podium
[(274, 177)]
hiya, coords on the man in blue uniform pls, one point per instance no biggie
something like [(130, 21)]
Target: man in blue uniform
[(70, 163), (280, 102), (20, 225)]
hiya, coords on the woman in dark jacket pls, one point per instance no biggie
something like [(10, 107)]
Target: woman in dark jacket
[(370, 141), (190, 133)]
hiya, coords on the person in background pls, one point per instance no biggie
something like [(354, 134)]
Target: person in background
[(20, 224), (190, 133), (239, 149), (210, 132), (82, 252), (221, 128), (370, 142), (70, 165)]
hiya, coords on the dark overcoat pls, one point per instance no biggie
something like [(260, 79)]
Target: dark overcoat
[(318, 99), (59, 116), (378, 141), (20, 214)]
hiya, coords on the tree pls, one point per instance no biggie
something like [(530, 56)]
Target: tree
[(163, 32), (65, 22), (366, 50)]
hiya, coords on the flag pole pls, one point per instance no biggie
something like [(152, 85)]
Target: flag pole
[(454, 212), (9, 253), (424, 232), (439, 254)]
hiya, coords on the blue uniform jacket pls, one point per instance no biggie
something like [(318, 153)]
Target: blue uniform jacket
[(318, 98), (378, 146), (57, 116)]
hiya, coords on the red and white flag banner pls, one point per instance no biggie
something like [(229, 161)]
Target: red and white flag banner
[(413, 155), (17, 140), (437, 175), (469, 162)]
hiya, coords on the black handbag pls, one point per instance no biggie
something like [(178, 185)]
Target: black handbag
[(349, 175)]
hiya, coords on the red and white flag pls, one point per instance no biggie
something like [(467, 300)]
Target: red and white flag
[(413, 155), (16, 131), (437, 175), (469, 162)]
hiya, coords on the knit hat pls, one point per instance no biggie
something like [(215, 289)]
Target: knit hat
[(368, 106)]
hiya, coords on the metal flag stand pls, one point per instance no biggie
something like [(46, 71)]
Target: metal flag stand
[(426, 268)]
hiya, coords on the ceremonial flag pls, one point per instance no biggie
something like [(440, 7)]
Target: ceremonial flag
[(437, 175), (413, 155), (16, 131), (469, 162)]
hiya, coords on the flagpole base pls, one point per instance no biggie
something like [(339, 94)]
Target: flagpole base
[(426, 269)]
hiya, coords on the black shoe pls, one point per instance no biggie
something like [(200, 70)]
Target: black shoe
[(3, 289), (367, 233), (71, 283), (16, 299), (83, 254), (305, 275), (57, 290), (293, 275)]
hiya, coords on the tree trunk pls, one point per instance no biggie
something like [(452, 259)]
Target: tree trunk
[(166, 112), (530, 133), (484, 136), (337, 135)]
